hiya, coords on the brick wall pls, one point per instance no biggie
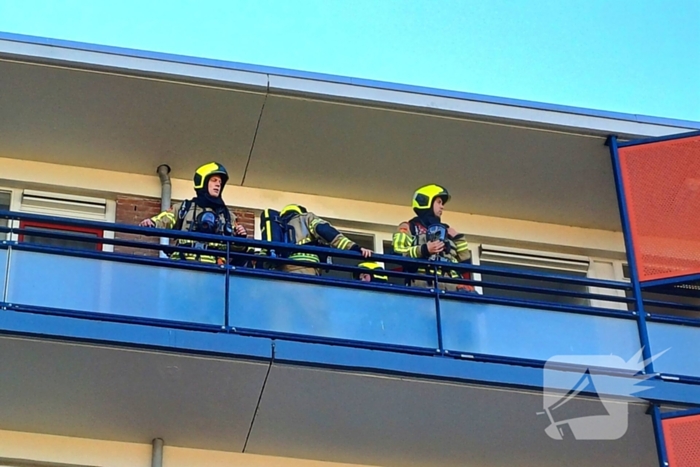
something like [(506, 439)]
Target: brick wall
[(132, 210), (246, 218)]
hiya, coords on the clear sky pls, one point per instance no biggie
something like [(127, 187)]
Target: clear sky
[(632, 56)]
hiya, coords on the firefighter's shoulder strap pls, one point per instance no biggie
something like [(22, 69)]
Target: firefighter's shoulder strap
[(416, 227), (272, 228), (182, 213), (227, 214)]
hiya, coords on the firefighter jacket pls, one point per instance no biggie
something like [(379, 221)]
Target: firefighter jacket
[(412, 238), (183, 217), (309, 229)]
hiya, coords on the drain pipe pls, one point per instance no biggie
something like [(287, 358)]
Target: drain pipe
[(166, 189), (157, 454)]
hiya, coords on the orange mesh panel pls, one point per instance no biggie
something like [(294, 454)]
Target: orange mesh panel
[(682, 437), (662, 191)]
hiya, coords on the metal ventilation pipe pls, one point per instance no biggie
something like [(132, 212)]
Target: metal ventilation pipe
[(157, 452), (166, 190)]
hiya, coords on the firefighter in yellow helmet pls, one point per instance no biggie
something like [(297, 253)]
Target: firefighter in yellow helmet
[(205, 213), (306, 228), (427, 237), (372, 273)]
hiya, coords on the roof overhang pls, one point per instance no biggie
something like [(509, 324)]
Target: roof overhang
[(130, 111)]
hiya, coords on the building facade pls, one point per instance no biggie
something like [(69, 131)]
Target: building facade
[(107, 346)]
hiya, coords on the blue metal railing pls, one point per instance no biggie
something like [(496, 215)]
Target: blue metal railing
[(119, 285)]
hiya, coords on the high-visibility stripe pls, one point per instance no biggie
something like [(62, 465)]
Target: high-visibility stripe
[(401, 243), (305, 257), (168, 214), (193, 257), (165, 214)]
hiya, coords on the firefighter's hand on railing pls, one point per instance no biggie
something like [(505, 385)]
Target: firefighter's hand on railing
[(435, 247), (452, 232), (365, 252), (240, 230), (147, 223)]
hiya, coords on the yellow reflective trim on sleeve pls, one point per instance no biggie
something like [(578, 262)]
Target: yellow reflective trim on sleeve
[(402, 244), (165, 214), (344, 243)]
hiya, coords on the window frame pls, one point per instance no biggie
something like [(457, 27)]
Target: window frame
[(550, 261), (99, 233), (16, 204)]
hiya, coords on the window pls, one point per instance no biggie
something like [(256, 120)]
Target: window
[(57, 205), (62, 205), (76, 232), (537, 262), (4, 206)]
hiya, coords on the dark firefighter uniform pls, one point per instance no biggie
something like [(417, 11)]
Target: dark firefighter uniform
[(412, 237), (306, 228), (204, 214)]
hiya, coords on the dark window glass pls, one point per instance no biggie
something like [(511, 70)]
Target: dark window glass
[(365, 241), (522, 295), (4, 206), (73, 243)]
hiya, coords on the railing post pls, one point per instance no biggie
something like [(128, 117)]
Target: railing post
[(227, 286), (659, 436), (631, 258), (6, 279), (438, 315), (9, 242)]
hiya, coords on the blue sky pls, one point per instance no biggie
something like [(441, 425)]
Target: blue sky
[(632, 56)]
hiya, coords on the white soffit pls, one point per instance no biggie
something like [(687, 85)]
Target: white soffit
[(327, 87)]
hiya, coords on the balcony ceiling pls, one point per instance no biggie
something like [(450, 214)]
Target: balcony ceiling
[(307, 142), (209, 403)]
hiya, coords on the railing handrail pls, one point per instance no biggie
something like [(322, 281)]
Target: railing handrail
[(409, 263)]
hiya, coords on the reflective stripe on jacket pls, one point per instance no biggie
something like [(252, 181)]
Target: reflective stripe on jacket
[(169, 220), (309, 229), (411, 236)]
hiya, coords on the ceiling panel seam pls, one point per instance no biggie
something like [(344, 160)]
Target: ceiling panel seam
[(262, 391), (257, 127)]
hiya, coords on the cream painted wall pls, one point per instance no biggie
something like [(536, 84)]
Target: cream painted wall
[(72, 451), (81, 452), (181, 457), (373, 216)]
